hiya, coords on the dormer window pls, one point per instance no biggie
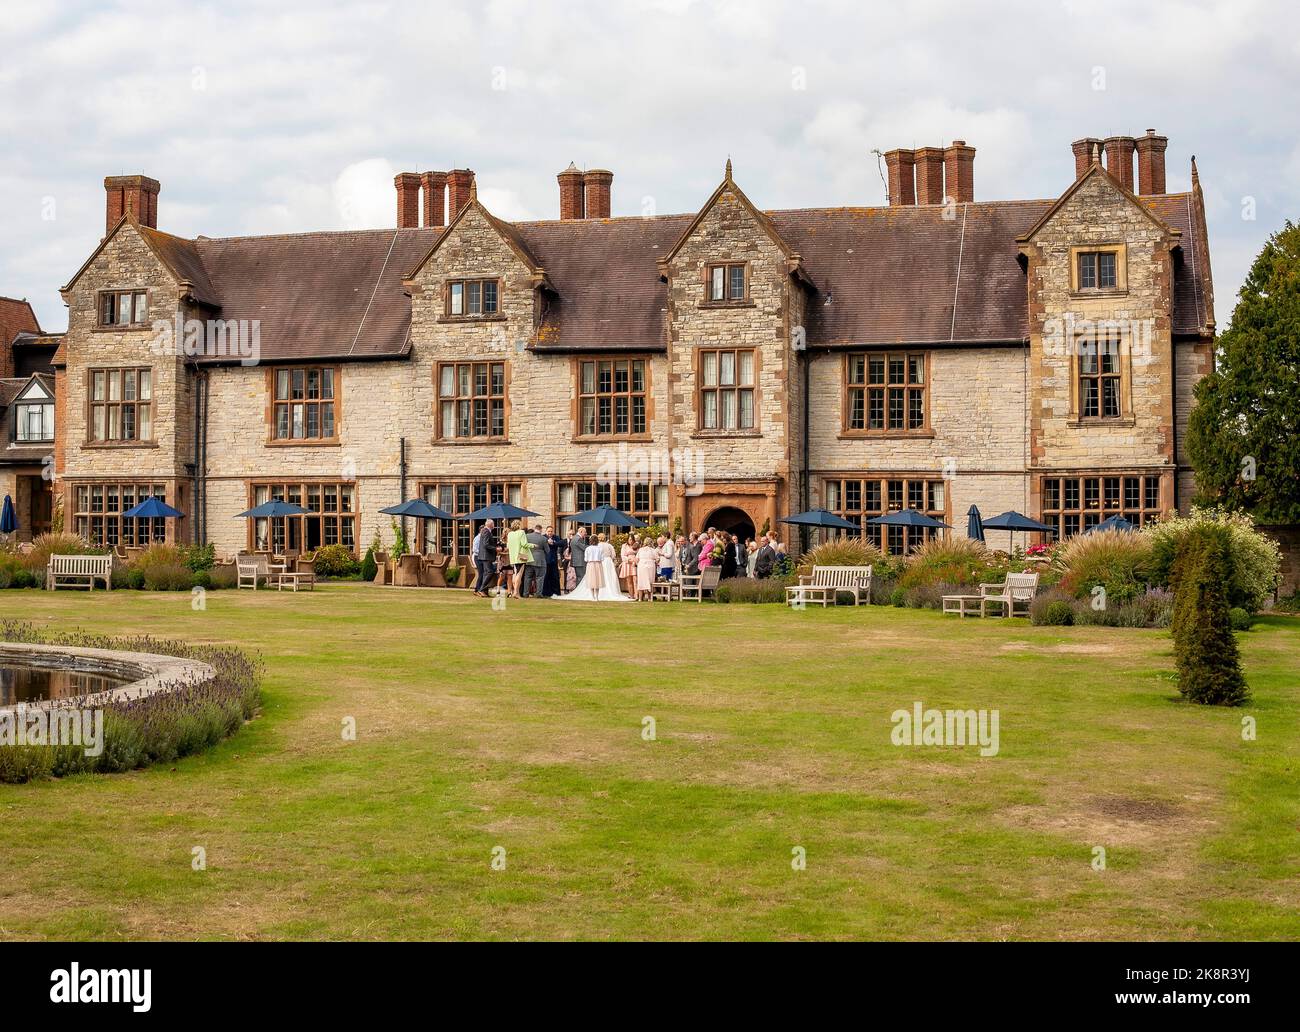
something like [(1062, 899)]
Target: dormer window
[(124, 308), (34, 415), (726, 283), (472, 298)]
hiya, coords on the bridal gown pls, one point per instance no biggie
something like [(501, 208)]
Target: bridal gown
[(600, 582)]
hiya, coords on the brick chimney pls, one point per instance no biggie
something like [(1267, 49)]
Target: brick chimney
[(460, 182), (1151, 162), (135, 194), (929, 175), (433, 187), (571, 201), (408, 199), (900, 165), (959, 171), (1086, 151), (598, 181), (1119, 159)]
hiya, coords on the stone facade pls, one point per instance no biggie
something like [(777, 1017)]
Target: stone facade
[(998, 416)]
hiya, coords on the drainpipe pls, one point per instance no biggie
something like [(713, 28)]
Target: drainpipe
[(402, 469), (194, 465), (203, 460), (804, 494)]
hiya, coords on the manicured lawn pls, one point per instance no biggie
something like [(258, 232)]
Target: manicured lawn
[(523, 729)]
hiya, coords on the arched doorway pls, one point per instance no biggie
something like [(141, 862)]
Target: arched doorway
[(732, 520)]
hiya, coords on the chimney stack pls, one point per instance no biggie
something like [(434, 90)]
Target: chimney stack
[(959, 171), (433, 186), (135, 194), (597, 181), (408, 199), (1086, 151), (929, 175), (461, 183), (901, 167), (571, 202), (1151, 162), (1119, 159)]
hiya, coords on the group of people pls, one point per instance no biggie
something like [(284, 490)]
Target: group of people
[(538, 562)]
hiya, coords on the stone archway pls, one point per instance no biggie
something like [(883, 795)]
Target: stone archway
[(733, 521)]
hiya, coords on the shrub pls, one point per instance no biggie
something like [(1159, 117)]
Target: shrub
[(120, 578), (198, 557), (201, 579), (1059, 614), (1239, 619), (161, 576), (223, 576), (451, 574), (1043, 601), (47, 545), (1254, 559), (1289, 603), (928, 596), (28, 579), (1117, 560), (955, 561), (747, 589), (368, 566), (336, 561), (135, 578), (898, 597), (1205, 648), (845, 551)]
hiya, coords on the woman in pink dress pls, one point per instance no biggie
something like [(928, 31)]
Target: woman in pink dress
[(627, 564), (647, 559)]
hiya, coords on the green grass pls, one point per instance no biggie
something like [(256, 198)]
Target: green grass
[(522, 729)]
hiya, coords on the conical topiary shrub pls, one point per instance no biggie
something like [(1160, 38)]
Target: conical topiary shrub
[(1205, 647)]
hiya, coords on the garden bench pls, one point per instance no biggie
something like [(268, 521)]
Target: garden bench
[(826, 582), (250, 569), (79, 570), (694, 587), (1017, 588)]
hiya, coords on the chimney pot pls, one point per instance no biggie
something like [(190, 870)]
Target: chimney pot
[(571, 199), (135, 194), (959, 171), (461, 184), (408, 199), (598, 181), (929, 175), (433, 186), (900, 164), (1119, 159), (1151, 162), (1086, 151)]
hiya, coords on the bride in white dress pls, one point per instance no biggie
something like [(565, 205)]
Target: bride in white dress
[(600, 582)]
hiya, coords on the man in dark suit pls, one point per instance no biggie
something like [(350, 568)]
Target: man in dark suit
[(578, 554), (555, 547), (690, 556), (485, 555), (766, 558), (535, 571)]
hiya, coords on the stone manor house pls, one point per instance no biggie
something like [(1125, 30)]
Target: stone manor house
[(1036, 355)]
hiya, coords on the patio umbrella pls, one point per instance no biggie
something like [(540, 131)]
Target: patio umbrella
[(8, 521), (273, 508), (974, 525), (907, 518), (1116, 522), (1014, 521), (154, 508), (418, 508), (820, 518), (498, 511), (606, 516)]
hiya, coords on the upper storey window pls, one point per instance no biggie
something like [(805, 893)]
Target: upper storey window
[(34, 415), (1097, 270), (473, 297), (124, 308), (121, 405), (727, 283), (304, 405)]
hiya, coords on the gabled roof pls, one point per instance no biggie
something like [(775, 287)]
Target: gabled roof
[(1094, 169), (508, 233), (177, 255), (11, 452), (728, 185)]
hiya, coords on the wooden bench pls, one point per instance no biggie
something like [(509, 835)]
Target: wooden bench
[(694, 587), (250, 569), (826, 582), (79, 571), (1016, 589)]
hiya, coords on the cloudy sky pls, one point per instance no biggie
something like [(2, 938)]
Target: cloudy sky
[(288, 116)]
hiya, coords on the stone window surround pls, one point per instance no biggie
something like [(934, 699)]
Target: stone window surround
[(726, 302), (1121, 269), (135, 442), (924, 432), (251, 485), (172, 494), (304, 442), (1055, 516), (697, 374), (650, 514), (99, 327), (446, 313), (883, 477), (438, 438), (648, 393), (1125, 417), (510, 487)]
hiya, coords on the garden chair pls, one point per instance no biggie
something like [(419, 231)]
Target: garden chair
[(433, 570), (249, 569), (383, 575), (693, 588), (407, 573), (1017, 589)]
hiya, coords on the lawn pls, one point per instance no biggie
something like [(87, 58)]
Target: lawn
[(523, 729)]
